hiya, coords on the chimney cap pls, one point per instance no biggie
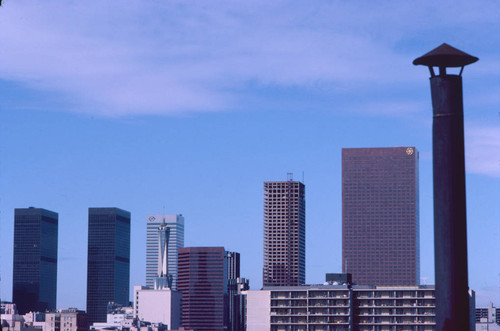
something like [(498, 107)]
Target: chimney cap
[(445, 56)]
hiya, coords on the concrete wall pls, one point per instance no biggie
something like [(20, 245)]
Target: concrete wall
[(160, 306), (258, 310)]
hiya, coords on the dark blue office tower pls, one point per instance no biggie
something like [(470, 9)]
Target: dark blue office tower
[(34, 284), (108, 265)]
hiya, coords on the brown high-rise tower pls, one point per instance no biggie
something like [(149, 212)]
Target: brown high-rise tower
[(202, 280), (284, 233), (380, 216)]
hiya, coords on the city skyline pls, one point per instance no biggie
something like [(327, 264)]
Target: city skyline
[(192, 107)]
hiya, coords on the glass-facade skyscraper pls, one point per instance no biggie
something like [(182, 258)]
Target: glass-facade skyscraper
[(108, 269), (380, 215), (203, 281), (235, 285), (34, 285), (175, 224), (284, 234), (233, 265)]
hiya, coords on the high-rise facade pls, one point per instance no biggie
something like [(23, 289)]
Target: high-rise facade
[(284, 233), (235, 285), (203, 283), (108, 270), (233, 265), (175, 225), (380, 215), (34, 285)]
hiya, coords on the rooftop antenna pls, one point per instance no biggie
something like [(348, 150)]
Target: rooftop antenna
[(289, 176), (303, 181)]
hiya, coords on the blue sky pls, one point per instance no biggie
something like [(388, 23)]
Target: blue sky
[(191, 105)]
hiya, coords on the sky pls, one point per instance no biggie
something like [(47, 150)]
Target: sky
[(188, 107)]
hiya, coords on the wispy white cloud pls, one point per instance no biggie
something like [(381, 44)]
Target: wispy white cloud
[(485, 98), (125, 57), (482, 150), (391, 108)]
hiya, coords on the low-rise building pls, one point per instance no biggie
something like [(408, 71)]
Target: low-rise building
[(12, 321), (488, 318), (120, 318), (158, 306), (341, 307), (117, 318), (8, 308), (70, 319)]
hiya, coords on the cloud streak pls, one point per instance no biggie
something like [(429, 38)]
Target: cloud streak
[(118, 58), (482, 150)]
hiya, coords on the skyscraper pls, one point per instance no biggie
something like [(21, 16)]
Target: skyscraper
[(175, 224), (203, 284), (34, 285), (233, 265), (380, 215), (284, 233), (108, 271), (235, 285)]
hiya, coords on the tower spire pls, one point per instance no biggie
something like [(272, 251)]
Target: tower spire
[(163, 280)]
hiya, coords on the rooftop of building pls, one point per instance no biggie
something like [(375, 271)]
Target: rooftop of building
[(347, 286)]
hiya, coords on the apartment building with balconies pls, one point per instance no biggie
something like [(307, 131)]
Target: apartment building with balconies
[(341, 307)]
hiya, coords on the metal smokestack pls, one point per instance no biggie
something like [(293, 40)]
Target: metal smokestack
[(450, 225)]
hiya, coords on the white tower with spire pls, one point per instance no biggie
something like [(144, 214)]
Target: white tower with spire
[(163, 279), (175, 225)]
